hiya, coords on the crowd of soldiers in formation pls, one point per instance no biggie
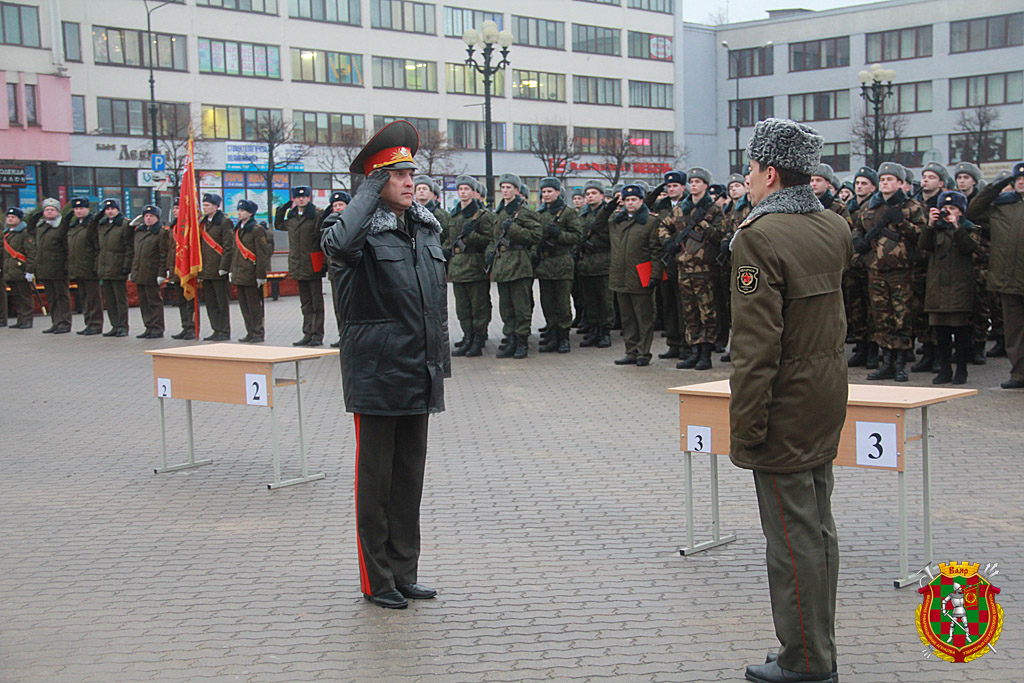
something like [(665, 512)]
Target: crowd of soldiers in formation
[(629, 258)]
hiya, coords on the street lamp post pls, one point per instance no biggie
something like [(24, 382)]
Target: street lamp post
[(152, 82), (875, 88), (486, 38), (735, 59)]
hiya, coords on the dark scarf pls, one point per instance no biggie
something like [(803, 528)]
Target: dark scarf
[(553, 207), (640, 217), (309, 211), (897, 199), (512, 206), (469, 211), (586, 211)]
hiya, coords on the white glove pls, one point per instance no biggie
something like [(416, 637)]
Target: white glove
[(261, 281), (30, 277), (222, 272), (160, 280), (131, 278), (135, 222)]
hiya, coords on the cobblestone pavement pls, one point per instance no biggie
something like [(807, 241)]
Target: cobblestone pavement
[(552, 516)]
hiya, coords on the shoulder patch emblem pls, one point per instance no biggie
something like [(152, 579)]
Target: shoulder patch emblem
[(746, 279)]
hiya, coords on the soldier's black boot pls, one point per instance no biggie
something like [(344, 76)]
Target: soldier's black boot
[(900, 365), (859, 357), (462, 347), (605, 339), (689, 358), (872, 361), (563, 342), (591, 339), (886, 368), (977, 353), (925, 364), (704, 357), (476, 347), (943, 352), (726, 357), (963, 352), (508, 350), (549, 343), (505, 341), (462, 342), (670, 352), (522, 347), (998, 350)]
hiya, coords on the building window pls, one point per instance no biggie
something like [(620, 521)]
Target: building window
[(596, 90), (752, 61), (19, 24), (820, 106), (617, 3), (538, 85), (31, 115), (650, 46), (466, 80), (526, 135), (539, 32), (319, 127), (402, 15), (986, 34), (993, 145), (72, 41), (979, 91), (909, 98), (595, 140), (650, 95), (126, 47), (259, 6), (131, 117), (903, 43), (737, 160), (909, 151), (239, 59), (656, 143), (470, 135), (421, 125), (819, 54), (596, 40), (78, 114), (320, 66), (836, 155), (457, 20), (404, 74), (751, 110), (13, 110), (664, 6), (236, 123), (334, 11)]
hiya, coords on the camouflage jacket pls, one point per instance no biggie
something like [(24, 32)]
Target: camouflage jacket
[(518, 231), (469, 231), (595, 248), (561, 225), (835, 204), (892, 228), (697, 229)]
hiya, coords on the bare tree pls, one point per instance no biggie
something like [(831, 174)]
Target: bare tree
[(892, 127), (719, 16), (435, 155), (977, 144), (615, 154), (278, 137), (555, 148), (172, 135), (336, 156)]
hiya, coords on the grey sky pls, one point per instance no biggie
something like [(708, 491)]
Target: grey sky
[(701, 11)]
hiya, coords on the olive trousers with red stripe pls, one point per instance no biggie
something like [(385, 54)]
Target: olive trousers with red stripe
[(802, 554), (391, 453)]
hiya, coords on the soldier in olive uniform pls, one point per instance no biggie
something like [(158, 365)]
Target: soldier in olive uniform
[(471, 229), (83, 252), (117, 239), (554, 264), (670, 207), (19, 253), (339, 200), (508, 259), (594, 258), (249, 262), (301, 219), (427, 193), (692, 239), (987, 316), (149, 270), (51, 266), (886, 232), (934, 180), (217, 242), (186, 307)]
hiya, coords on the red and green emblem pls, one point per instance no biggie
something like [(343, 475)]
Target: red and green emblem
[(959, 617)]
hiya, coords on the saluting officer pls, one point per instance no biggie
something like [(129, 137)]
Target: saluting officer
[(554, 268), (83, 252), (51, 266), (117, 241), (339, 200), (249, 262), (149, 270), (186, 307), (218, 241), (471, 229), (594, 259), (19, 253), (301, 220)]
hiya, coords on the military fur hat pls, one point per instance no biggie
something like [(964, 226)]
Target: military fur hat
[(633, 190), (824, 171), (248, 205), (480, 188), (968, 168), (939, 170), (428, 181), (1002, 175), (50, 201), (893, 169), (510, 178), (868, 173), (212, 198), (737, 178), (1018, 169), (553, 183), (698, 172), (469, 181), (577, 192), (341, 196), (952, 198), (717, 190), (593, 185), (909, 173), (153, 210), (524, 190), (15, 211), (302, 191), (848, 184), (786, 144), (79, 202), (617, 187), (644, 185), (675, 177), (114, 204)]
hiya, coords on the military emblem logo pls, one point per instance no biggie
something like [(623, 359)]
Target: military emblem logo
[(746, 279), (959, 617)]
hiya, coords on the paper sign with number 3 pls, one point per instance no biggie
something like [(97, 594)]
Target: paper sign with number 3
[(876, 444), (698, 439)]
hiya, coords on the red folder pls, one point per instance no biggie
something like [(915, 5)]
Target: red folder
[(317, 257), (644, 271)]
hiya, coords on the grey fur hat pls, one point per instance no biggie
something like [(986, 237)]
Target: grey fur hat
[(698, 172), (465, 180), (50, 201), (480, 188), (968, 168), (428, 181), (786, 144), (939, 170), (825, 171), (510, 178), (893, 169), (593, 185), (908, 173), (553, 183), (524, 190), (577, 192), (736, 178)]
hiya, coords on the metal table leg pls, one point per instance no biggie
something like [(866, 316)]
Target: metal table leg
[(192, 462), (716, 533), (926, 491), (305, 475)]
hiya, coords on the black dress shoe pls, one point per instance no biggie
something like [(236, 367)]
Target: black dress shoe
[(302, 342), (1012, 384), (63, 329), (121, 333), (315, 342), (771, 672), (643, 361), (391, 599), (22, 326), (336, 345), (144, 335), (50, 330), (110, 333), (671, 352), (256, 340), (774, 656), (246, 339), (625, 360), (414, 591), (180, 335)]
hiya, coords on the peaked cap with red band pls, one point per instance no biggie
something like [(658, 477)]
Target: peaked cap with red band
[(392, 147)]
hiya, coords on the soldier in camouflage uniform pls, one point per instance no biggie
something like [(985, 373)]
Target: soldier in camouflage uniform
[(592, 268), (692, 240), (736, 212), (887, 231), (859, 322), (670, 208), (579, 202), (508, 260), (554, 263), (821, 183), (470, 230)]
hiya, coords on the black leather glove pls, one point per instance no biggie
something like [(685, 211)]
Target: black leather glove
[(553, 232), (672, 248), (374, 182), (489, 259), (126, 271), (653, 284), (329, 221), (861, 245), (892, 216), (447, 254), (723, 246)]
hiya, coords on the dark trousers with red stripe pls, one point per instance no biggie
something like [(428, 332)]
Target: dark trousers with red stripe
[(803, 564), (391, 453)]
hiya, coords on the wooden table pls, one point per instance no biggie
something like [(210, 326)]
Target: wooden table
[(874, 437), (230, 373)]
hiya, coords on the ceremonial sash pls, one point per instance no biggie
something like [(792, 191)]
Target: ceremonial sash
[(210, 242), (248, 255), (15, 254)]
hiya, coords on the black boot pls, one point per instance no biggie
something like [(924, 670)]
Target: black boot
[(689, 358), (859, 357), (704, 357), (900, 361), (886, 369), (462, 347), (591, 339), (925, 364), (998, 350), (605, 339), (670, 352), (476, 347), (549, 344), (872, 361), (963, 352), (977, 353), (508, 349), (726, 357), (505, 341), (563, 342), (462, 342), (943, 351), (522, 347)]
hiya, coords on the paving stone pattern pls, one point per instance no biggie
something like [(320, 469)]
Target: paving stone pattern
[(552, 516)]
